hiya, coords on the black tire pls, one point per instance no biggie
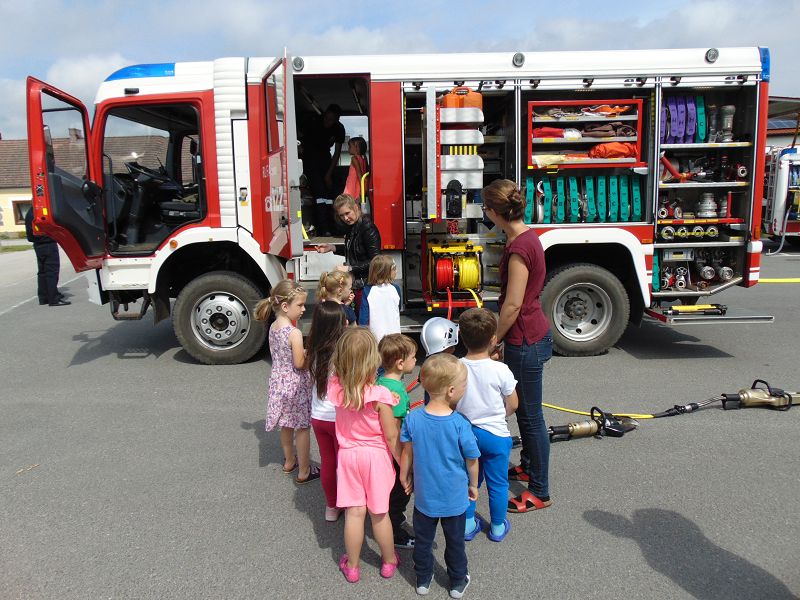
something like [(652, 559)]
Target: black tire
[(588, 309), (230, 333)]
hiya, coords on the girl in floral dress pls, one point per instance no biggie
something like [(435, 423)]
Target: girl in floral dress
[(289, 395)]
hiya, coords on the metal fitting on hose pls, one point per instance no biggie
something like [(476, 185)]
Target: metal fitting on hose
[(707, 272), (726, 273), (712, 231), (668, 233)]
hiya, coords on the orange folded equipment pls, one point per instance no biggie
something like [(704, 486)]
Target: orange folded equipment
[(613, 150)]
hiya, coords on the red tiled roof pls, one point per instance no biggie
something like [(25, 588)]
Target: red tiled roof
[(15, 169)]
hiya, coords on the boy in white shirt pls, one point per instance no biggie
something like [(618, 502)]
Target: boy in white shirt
[(489, 398)]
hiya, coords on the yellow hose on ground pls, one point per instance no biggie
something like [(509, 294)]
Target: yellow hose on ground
[(586, 414)]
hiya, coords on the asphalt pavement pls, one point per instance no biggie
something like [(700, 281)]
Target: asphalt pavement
[(129, 471)]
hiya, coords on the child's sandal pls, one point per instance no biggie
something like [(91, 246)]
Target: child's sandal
[(527, 502), (313, 473)]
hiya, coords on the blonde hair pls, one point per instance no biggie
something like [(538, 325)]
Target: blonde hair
[(355, 362), (505, 198), (331, 284), (394, 347), (285, 290), (380, 270), (345, 200), (440, 371)]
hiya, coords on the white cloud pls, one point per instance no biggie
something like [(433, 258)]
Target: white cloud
[(79, 77), (70, 35), (12, 117)]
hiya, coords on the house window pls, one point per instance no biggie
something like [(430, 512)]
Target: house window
[(20, 208)]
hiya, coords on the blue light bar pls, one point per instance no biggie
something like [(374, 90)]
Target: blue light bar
[(148, 70), (764, 63)]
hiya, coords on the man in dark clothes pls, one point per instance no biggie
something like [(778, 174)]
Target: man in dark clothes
[(318, 137), (48, 265)]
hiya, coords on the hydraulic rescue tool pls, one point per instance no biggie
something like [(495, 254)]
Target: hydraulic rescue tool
[(602, 424)]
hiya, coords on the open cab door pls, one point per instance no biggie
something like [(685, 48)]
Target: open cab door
[(67, 204), (282, 205)]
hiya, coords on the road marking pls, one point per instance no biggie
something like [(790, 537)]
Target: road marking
[(784, 280), (18, 304)]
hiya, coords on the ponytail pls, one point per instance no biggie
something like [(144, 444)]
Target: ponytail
[(284, 291), (505, 198)]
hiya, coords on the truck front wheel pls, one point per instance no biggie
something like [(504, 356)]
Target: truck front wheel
[(214, 319), (587, 307)]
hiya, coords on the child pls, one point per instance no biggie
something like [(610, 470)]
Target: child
[(380, 304), (438, 335), (327, 326), (437, 441), (289, 400), (337, 286), (357, 147), (368, 440), (398, 357), (490, 397)]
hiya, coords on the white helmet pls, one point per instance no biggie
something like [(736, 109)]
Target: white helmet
[(438, 334)]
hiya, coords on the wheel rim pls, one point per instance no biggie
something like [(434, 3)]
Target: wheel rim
[(220, 320), (582, 312)]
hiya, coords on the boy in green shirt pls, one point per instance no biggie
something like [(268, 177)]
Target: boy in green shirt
[(398, 358)]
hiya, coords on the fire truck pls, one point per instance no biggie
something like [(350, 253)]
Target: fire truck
[(640, 170), (781, 215)]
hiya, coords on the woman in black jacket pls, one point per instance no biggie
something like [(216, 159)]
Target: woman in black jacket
[(362, 242)]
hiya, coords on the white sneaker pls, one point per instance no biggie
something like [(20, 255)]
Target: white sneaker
[(457, 591), (332, 513), (423, 587)]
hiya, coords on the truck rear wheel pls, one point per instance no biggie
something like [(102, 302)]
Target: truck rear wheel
[(214, 319), (587, 307)]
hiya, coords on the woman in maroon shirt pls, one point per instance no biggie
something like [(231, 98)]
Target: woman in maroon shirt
[(525, 331)]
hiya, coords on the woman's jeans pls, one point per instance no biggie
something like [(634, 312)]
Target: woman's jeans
[(527, 363)]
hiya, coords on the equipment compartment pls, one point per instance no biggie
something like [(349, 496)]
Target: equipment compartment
[(584, 133)]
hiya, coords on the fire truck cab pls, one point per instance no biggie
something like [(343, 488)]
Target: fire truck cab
[(639, 167)]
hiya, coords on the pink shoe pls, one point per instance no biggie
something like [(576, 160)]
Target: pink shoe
[(388, 569), (352, 574)]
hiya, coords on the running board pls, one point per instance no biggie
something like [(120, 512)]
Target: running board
[(730, 316), (129, 316)]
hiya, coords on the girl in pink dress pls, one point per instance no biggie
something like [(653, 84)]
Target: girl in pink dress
[(357, 147), (368, 438), (289, 394)]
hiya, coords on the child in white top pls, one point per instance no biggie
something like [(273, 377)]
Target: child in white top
[(289, 396), (490, 397), (327, 326), (380, 304)]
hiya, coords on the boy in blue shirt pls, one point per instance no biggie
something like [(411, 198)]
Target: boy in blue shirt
[(440, 448)]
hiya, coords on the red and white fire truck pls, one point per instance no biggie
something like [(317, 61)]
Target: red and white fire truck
[(640, 169), (781, 217)]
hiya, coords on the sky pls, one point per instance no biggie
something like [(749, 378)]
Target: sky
[(76, 44)]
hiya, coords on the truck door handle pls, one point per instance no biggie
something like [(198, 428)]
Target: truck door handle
[(284, 221)]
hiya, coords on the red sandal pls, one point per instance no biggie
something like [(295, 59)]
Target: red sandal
[(526, 502), (518, 474)]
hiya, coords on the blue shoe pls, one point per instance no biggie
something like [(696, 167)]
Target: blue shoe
[(502, 536), (479, 523)]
